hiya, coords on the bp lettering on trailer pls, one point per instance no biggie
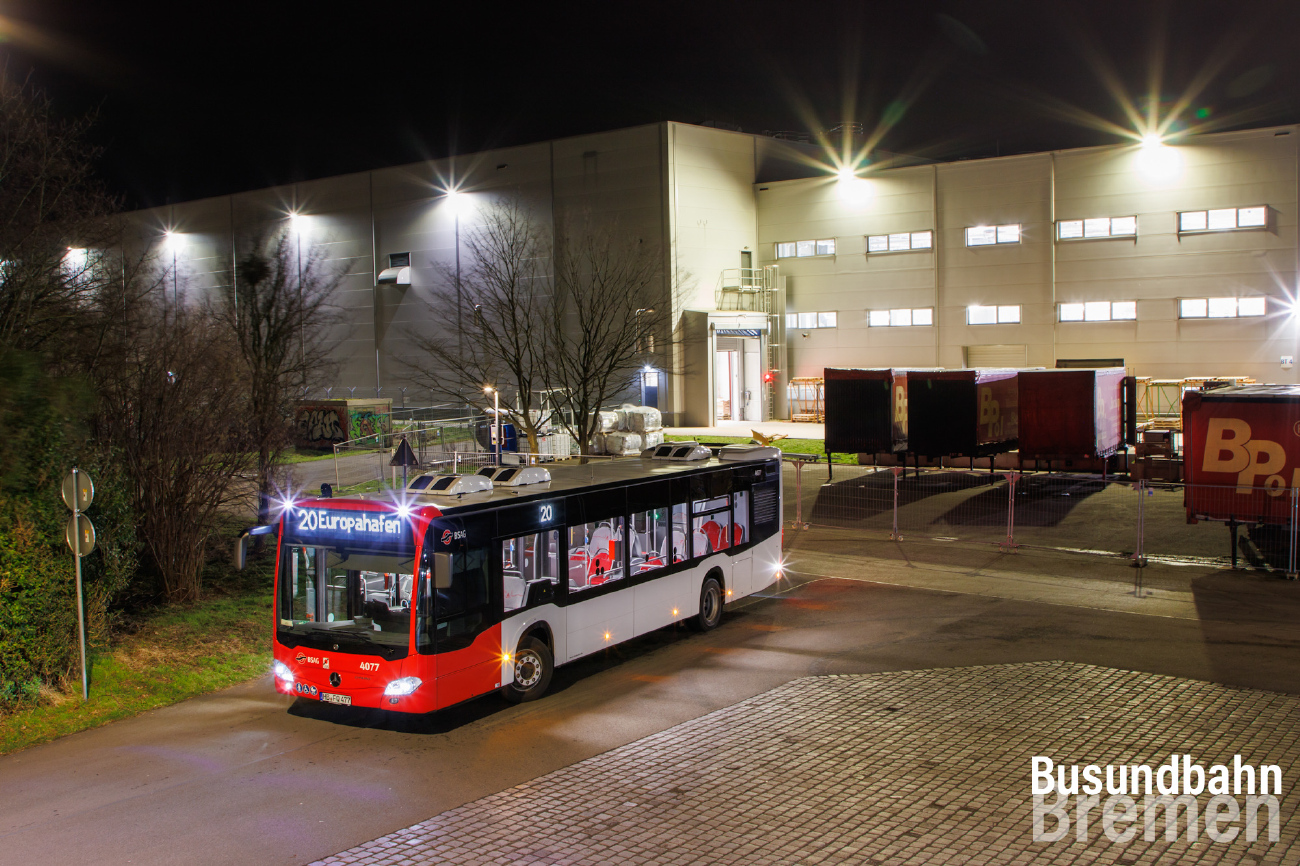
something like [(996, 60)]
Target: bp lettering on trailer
[(1230, 448)]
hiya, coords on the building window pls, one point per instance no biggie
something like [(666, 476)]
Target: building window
[(1223, 219), (399, 260), (805, 249), (1221, 308), (903, 318), (1097, 227), (811, 321), (899, 242), (983, 236), (1098, 311), (977, 314)]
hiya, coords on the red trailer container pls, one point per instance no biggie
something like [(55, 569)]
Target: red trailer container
[(866, 411), (1241, 452), (967, 413), (1070, 414)]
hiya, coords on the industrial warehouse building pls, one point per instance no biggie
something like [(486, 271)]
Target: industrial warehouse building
[(1173, 260)]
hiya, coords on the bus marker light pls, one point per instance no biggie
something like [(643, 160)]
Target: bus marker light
[(606, 635), (728, 593), (674, 611), (404, 686)]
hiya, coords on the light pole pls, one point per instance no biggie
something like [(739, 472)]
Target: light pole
[(295, 223), (636, 319), (171, 239), (496, 420), (452, 196)]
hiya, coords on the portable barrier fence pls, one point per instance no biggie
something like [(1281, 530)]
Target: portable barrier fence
[(1085, 514), (367, 466)]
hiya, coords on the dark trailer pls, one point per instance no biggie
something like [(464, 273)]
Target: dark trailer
[(1070, 414), (962, 413), (866, 411)]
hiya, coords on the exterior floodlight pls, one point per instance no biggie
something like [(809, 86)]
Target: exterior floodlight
[(846, 175), (1152, 139)]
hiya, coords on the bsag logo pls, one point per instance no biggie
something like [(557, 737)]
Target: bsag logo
[(448, 536)]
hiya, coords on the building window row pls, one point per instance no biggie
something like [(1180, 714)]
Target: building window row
[(1099, 227), (1223, 219), (1007, 314), (1221, 308), (983, 236), (904, 318), (1220, 219), (805, 249), (809, 321), (1099, 311), (900, 242)]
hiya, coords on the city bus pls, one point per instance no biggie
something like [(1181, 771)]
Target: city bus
[(463, 585)]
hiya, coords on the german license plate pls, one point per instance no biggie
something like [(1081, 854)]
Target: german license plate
[(344, 700)]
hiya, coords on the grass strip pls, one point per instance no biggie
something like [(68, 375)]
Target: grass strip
[(175, 655)]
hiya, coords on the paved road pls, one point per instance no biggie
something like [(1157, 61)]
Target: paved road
[(247, 776), (917, 767)]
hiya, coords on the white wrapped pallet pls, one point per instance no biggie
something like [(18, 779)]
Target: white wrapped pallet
[(643, 419), (607, 420), (653, 438), (621, 444)]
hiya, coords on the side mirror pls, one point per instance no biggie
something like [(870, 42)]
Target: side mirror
[(442, 571), (241, 551)]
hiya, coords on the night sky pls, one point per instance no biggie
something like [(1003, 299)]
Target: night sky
[(202, 99)]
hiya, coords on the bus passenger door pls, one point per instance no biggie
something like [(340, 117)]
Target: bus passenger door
[(466, 625)]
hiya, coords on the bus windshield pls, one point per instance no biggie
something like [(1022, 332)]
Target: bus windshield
[(346, 596)]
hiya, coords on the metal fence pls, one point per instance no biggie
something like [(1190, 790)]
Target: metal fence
[(1085, 514)]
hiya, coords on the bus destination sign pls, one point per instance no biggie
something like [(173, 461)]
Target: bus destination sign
[(350, 529)]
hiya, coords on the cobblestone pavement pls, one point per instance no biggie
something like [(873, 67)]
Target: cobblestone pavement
[(925, 766)]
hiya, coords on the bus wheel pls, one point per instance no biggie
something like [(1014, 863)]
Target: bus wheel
[(710, 606), (533, 668)]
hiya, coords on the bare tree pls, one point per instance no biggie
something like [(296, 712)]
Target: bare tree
[(53, 217), (609, 315), (173, 405), (277, 312), (501, 300)]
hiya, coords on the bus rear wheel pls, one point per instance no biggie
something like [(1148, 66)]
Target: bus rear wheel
[(710, 606), (534, 665)]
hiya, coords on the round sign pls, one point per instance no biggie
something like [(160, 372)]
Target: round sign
[(78, 490), (80, 534)]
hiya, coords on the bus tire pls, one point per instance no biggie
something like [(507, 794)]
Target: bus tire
[(710, 606), (534, 666)]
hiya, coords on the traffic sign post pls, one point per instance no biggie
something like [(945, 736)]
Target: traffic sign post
[(78, 493)]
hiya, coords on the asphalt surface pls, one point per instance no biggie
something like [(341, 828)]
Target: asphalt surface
[(249, 776)]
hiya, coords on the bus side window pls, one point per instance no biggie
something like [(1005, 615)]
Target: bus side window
[(711, 527), (527, 560), (650, 540), (681, 540), (595, 553), (740, 516)]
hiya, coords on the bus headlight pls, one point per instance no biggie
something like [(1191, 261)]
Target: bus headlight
[(282, 671), (404, 686)]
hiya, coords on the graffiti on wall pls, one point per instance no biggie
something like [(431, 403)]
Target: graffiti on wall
[(321, 426), (367, 422)]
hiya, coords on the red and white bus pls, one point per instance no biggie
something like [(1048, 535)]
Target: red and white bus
[(468, 584)]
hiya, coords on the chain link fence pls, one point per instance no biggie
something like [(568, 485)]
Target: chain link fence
[(1085, 514)]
